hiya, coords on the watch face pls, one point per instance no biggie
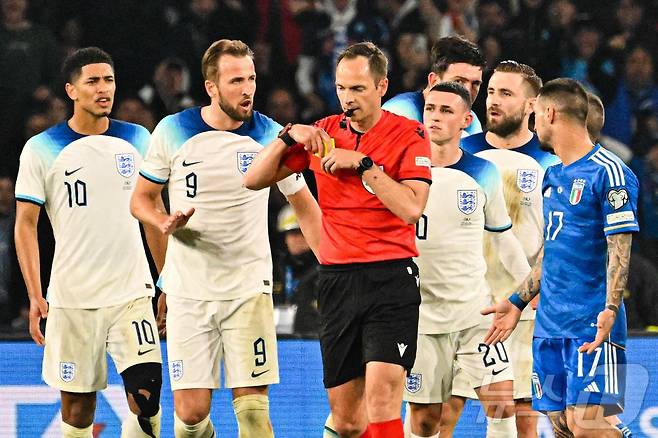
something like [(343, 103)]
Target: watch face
[(366, 162)]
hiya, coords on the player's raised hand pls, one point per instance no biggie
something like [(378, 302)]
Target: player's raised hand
[(314, 139), (604, 323), (38, 310), (175, 221), (506, 317), (338, 159), (161, 316)]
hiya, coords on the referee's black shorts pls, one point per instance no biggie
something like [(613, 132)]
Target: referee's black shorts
[(368, 312)]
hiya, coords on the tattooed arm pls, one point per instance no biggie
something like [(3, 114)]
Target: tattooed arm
[(619, 256), (508, 312)]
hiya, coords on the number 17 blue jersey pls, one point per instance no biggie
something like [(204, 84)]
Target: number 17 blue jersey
[(584, 202)]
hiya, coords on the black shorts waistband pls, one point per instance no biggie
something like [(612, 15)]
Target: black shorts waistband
[(364, 265)]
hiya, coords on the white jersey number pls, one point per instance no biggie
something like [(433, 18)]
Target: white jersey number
[(558, 215)]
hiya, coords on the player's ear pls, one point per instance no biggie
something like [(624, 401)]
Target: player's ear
[(71, 92), (468, 119), (382, 86), (432, 79), (211, 88), (530, 104), (550, 114)]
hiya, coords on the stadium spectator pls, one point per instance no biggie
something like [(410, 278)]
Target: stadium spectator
[(133, 109), (9, 273), (169, 91)]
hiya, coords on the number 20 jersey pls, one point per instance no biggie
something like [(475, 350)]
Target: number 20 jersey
[(584, 202), (223, 253), (85, 183)]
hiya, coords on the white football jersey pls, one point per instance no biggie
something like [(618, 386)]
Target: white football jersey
[(223, 252), (522, 170), (85, 183), (465, 200)]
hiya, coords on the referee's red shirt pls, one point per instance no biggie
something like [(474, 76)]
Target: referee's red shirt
[(356, 226)]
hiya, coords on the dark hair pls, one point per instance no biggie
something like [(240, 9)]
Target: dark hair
[(570, 97), (595, 116), (209, 62), (454, 49), (528, 73), (454, 88), (72, 66), (376, 59)]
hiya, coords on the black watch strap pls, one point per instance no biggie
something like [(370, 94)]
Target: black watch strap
[(365, 164), (285, 136), (612, 307)]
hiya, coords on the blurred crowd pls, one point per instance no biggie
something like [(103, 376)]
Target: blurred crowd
[(608, 45)]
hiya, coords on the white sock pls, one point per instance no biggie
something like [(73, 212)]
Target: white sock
[(130, 427), (501, 427), (69, 431), (203, 429)]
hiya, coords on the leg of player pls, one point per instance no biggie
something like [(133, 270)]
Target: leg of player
[(383, 390), (252, 411), (559, 423), (142, 383), (496, 399), (192, 413), (589, 422), (348, 408), (450, 414), (526, 419), (78, 414), (616, 421), (425, 419)]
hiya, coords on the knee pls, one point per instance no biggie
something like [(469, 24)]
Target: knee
[(425, 421), (143, 383), (348, 428), (78, 409)]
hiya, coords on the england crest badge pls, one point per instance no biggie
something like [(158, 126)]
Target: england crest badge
[(176, 369), (414, 382), (526, 179), (245, 159), (67, 371), (576, 191), (125, 164), (467, 201)]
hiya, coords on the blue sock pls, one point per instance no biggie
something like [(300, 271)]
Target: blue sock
[(625, 430)]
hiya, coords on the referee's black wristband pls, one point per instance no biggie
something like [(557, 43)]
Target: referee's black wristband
[(285, 137)]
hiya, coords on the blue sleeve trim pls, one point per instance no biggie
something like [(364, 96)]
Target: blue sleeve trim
[(152, 178), (498, 229), (30, 199), (516, 300)]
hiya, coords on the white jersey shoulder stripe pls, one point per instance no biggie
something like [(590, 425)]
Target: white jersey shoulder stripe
[(606, 166), (616, 162), (614, 166)]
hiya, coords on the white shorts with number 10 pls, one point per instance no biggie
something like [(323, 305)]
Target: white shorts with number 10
[(430, 380), (202, 334)]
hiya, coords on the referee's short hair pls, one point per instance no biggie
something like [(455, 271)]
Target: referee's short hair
[(569, 97), (72, 66), (376, 59), (210, 60), (454, 88)]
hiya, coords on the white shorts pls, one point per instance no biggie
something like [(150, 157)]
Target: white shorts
[(519, 346), (430, 380), (78, 340), (241, 332)]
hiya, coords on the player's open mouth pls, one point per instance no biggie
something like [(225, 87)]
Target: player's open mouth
[(103, 100), (246, 104)]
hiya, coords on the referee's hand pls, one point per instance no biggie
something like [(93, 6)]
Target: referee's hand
[(506, 318), (313, 139)]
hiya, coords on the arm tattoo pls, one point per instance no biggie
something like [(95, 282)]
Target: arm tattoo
[(559, 422), (530, 286), (619, 255)]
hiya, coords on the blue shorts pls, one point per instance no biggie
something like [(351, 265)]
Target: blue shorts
[(564, 377)]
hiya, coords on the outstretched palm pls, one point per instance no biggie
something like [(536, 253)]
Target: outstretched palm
[(506, 317)]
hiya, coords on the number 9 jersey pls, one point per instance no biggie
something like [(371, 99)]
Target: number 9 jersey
[(85, 183), (584, 202)]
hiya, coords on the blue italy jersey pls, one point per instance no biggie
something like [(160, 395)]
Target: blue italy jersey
[(411, 105), (584, 202)]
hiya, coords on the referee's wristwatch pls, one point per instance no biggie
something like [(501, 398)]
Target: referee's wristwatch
[(285, 136), (365, 164)]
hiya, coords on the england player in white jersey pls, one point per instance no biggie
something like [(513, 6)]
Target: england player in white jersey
[(452, 270), (453, 59), (218, 269), (83, 172), (515, 150)]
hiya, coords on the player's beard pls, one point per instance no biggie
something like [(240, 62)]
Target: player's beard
[(507, 125), (234, 112), (546, 147)]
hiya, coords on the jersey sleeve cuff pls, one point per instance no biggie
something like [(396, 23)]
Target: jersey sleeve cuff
[(30, 199), (621, 228), (418, 178), (498, 229), (152, 178)]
